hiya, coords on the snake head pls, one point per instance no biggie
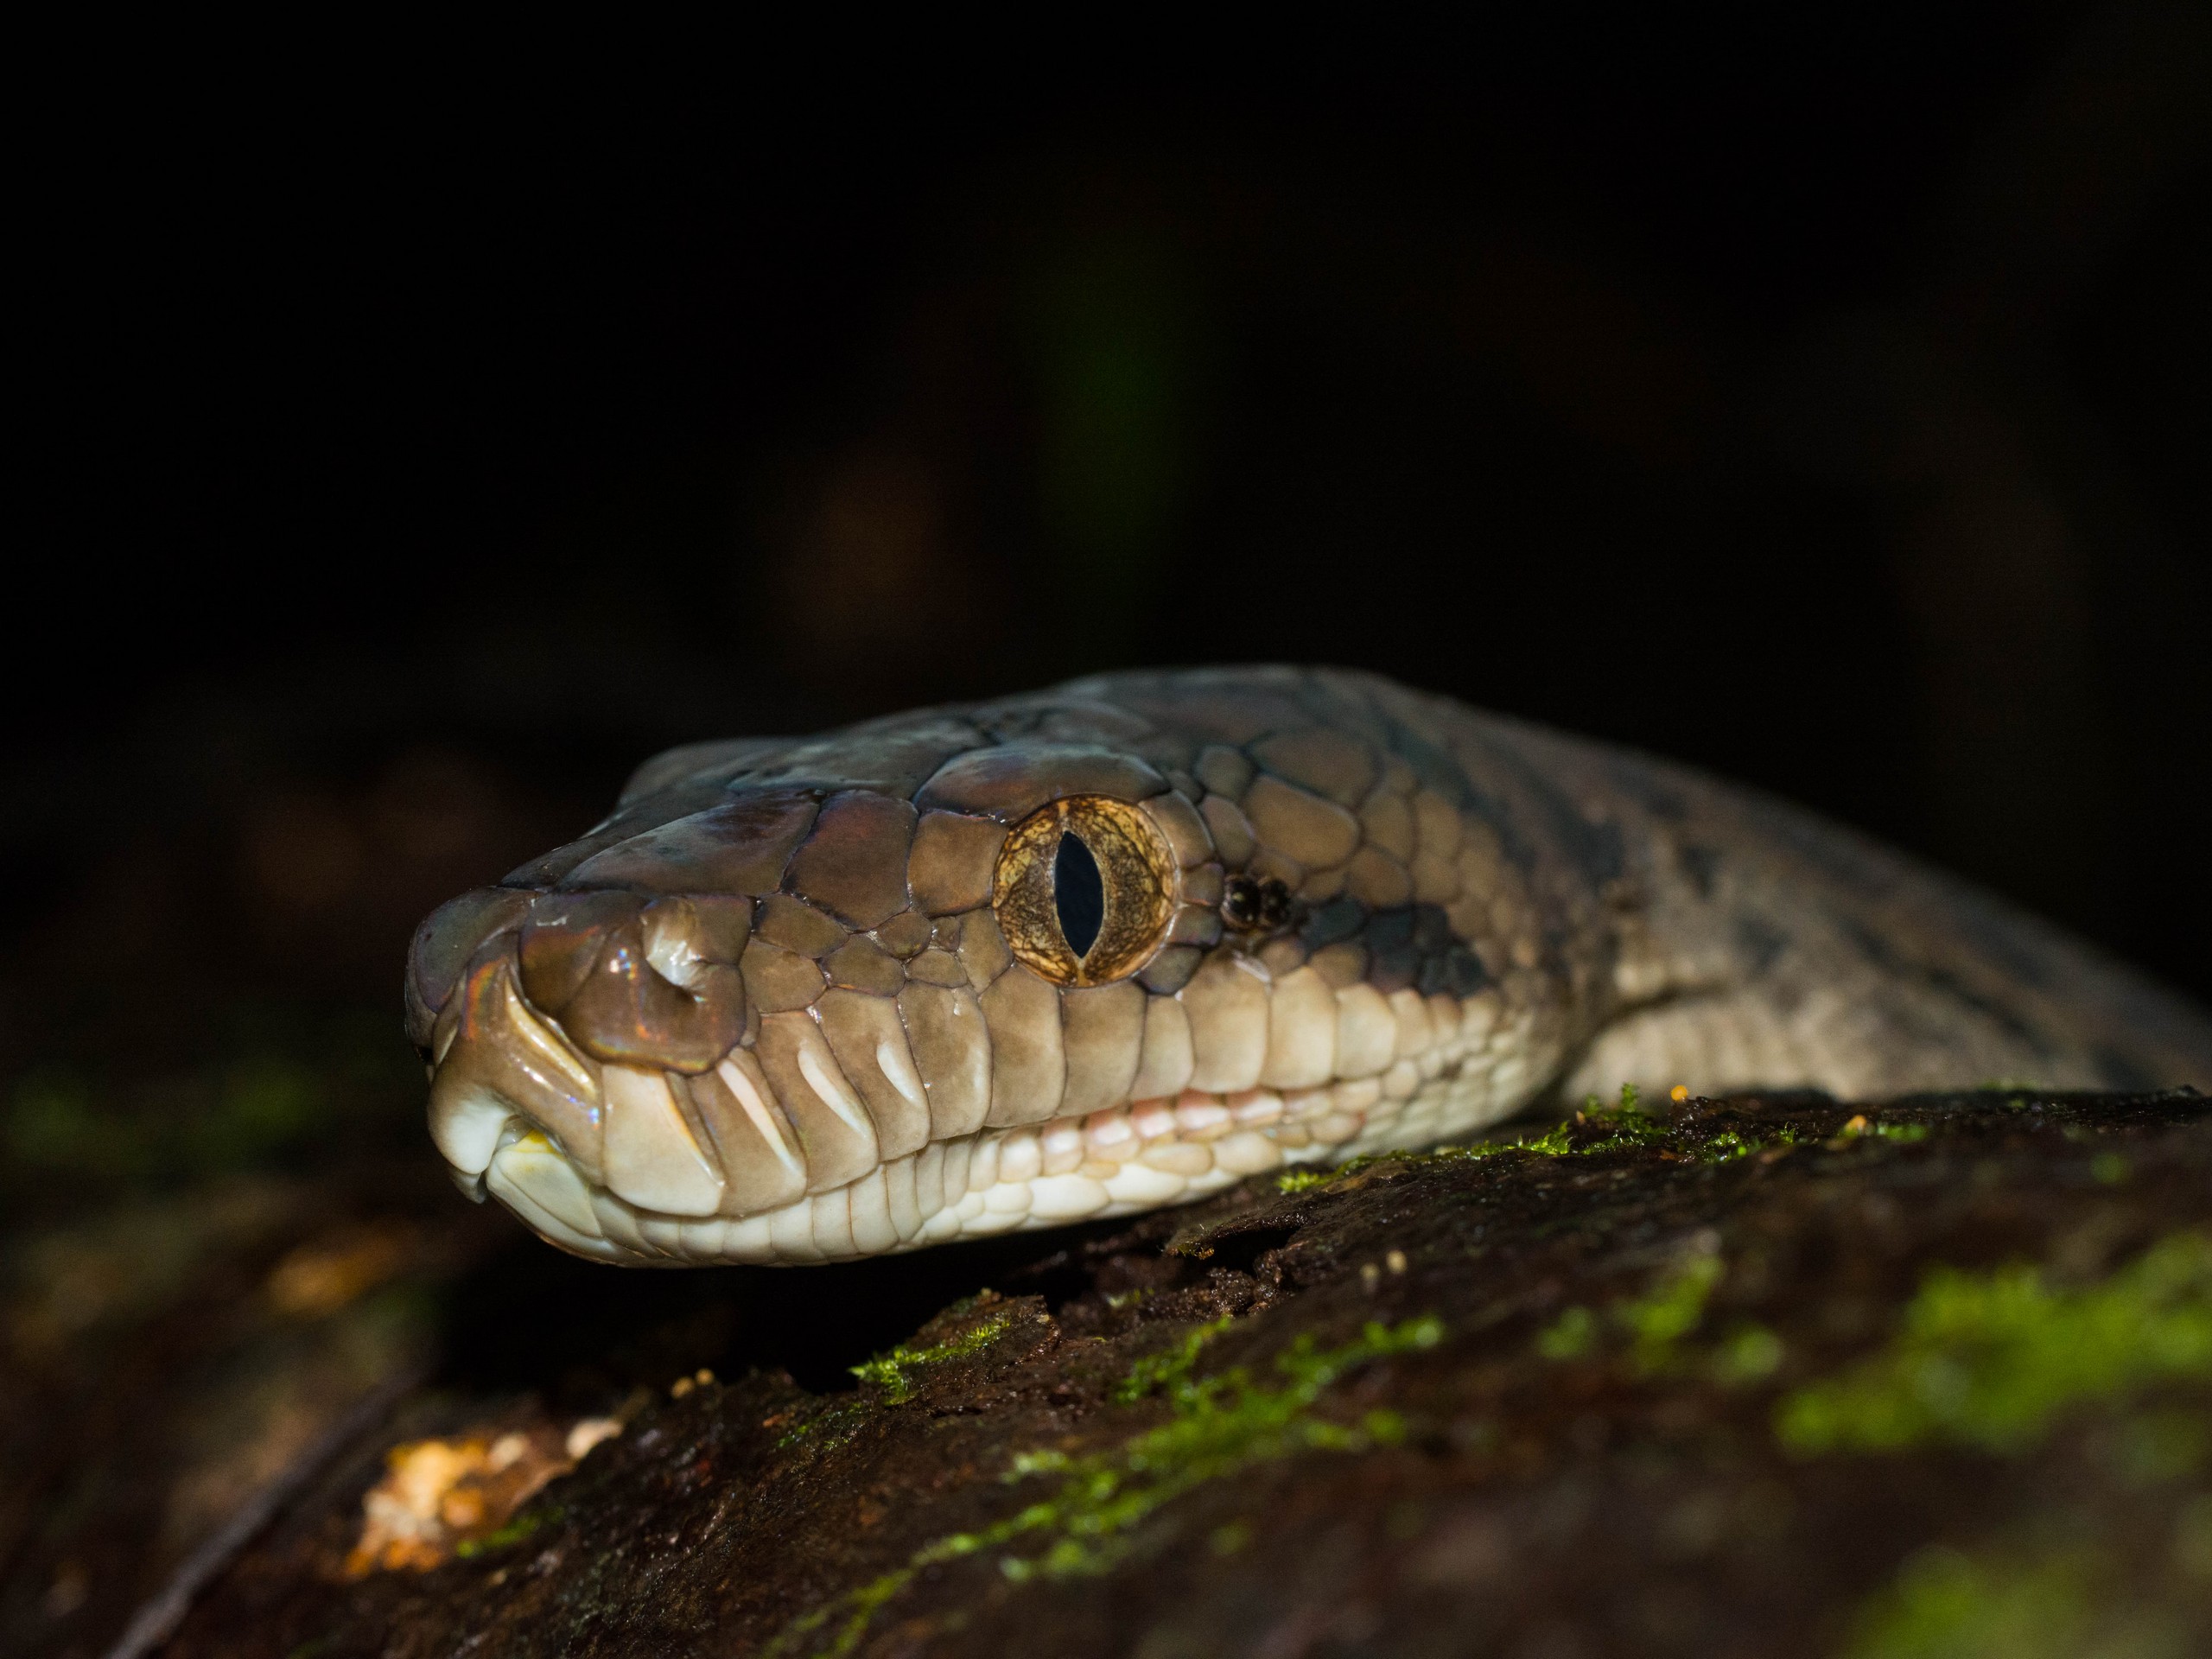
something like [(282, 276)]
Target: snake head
[(790, 990)]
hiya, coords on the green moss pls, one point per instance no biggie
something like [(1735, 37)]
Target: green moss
[(1750, 1354), (836, 1421), (1861, 1126), (1663, 1317), (1728, 1145), (892, 1372), (827, 1429), (1595, 1130), (2108, 1168), (1216, 1426), (2153, 1448), (1993, 1359), (1156, 1371), (1570, 1336), (2192, 1542), (1657, 1326), (513, 1533), (2055, 1605)]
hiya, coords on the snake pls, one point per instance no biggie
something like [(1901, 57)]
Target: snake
[(1120, 943)]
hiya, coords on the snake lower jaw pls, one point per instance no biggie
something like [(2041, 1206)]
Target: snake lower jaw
[(814, 1141), (1140, 1156)]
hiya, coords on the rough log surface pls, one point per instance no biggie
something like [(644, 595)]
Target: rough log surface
[(1736, 1377)]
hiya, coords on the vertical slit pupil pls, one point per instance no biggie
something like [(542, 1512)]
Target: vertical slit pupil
[(1078, 894)]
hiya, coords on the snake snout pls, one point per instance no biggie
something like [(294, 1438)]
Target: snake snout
[(540, 1011), (453, 932), (630, 979), (640, 983)]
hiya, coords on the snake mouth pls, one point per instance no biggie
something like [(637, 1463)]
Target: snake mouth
[(1120, 1161), (644, 1166), (776, 1153)]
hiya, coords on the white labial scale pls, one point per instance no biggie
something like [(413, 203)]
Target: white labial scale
[(1254, 1108), (1510, 1077), (1214, 1182), (1415, 1034), (1142, 1185), (1167, 1060), (705, 1241), (1066, 1197), (652, 1159), (1335, 1128), (1153, 1120), (1360, 1095), (1304, 1150), (620, 1222), (902, 1198), (832, 1224), (1060, 1145), (749, 1240), (959, 1160), (1227, 1004), (1005, 1207), (532, 1178), (1108, 1138), (1367, 1031), (760, 1157), (982, 1163), (1102, 1035), (929, 1193), (874, 1232), (870, 1046), (1185, 1160), (790, 1232), (1247, 1152), (1201, 1117), (466, 1124), (1301, 1031)]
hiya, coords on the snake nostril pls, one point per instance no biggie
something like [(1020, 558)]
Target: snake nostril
[(1079, 894)]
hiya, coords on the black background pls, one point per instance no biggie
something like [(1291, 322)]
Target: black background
[(1818, 396)]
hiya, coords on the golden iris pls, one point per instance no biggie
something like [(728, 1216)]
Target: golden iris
[(1091, 912)]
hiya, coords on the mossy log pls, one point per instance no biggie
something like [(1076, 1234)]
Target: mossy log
[(1715, 1378)]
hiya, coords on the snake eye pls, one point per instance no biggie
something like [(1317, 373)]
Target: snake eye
[(1084, 890)]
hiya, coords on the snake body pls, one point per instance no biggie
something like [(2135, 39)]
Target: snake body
[(1118, 944)]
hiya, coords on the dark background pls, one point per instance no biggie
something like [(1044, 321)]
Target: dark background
[(1819, 396)]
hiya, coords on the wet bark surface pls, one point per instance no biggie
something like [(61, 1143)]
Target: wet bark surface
[(1726, 1377)]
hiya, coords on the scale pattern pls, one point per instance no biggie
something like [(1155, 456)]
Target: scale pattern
[(766, 1012)]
